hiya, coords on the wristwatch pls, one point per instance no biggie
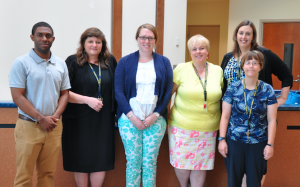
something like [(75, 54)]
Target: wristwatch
[(157, 114), (221, 138)]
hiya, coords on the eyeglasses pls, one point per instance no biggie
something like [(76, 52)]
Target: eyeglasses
[(253, 63), (145, 38)]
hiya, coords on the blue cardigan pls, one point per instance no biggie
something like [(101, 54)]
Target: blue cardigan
[(125, 82)]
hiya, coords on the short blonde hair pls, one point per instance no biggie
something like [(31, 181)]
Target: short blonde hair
[(198, 39), (253, 55)]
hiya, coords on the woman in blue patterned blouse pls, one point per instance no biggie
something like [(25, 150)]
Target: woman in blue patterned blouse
[(250, 109)]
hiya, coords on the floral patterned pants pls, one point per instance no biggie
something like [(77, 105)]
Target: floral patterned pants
[(141, 149)]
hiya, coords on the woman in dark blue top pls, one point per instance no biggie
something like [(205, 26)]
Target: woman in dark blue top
[(143, 87), (250, 109)]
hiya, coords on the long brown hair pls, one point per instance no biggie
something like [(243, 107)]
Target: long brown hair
[(82, 56), (254, 45)]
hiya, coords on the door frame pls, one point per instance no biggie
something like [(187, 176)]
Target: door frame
[(261, 26)]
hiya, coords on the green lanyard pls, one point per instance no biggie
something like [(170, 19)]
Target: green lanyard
[(98, 80), (205, 82)]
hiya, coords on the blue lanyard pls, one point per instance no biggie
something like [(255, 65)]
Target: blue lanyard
[(205, 82), (98, 80)]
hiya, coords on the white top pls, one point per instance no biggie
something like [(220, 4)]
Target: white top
[(145, 101)]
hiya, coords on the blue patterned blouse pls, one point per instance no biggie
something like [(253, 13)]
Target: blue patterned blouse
[(233, 72), (258, 124)]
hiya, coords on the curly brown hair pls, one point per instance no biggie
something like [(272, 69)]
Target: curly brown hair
[(82, 56)]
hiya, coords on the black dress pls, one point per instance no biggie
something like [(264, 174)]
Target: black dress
[(88, 136)]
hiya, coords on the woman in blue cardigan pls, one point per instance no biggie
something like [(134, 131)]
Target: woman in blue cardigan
[(143, 87)]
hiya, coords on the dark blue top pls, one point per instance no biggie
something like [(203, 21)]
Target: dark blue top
[(125, 82), (258, 123)]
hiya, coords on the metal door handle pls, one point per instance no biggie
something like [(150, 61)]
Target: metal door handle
[(297, 80)]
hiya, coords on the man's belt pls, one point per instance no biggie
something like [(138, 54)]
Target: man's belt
[(25, 118)]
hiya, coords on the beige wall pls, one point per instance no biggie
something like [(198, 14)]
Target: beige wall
[(257, 10), (211, 13)]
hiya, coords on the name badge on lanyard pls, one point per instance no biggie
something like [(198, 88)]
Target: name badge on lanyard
[(98, 80), (203, 85)]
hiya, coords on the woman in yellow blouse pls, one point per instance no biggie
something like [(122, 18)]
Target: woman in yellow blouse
[(195, 116)]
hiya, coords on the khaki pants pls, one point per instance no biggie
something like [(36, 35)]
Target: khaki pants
[(36, 146)]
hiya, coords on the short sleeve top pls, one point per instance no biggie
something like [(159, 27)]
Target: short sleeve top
[(257, 123), (42, 80), (188, 111)]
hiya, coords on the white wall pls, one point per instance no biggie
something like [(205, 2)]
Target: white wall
[(134, 14), (175, 26), (256, 10), (138, 12), (68, 19)]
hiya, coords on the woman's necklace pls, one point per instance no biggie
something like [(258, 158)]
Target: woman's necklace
[(238, 62)]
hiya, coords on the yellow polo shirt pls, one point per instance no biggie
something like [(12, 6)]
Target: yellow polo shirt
[(188, 111)]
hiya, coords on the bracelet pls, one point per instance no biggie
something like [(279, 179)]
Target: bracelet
[(221, 138), (271, 145), (130, 115)]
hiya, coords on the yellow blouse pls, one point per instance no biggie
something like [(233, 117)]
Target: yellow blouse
[(188, 111)]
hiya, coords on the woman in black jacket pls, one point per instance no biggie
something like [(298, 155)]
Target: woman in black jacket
[(244, 38)]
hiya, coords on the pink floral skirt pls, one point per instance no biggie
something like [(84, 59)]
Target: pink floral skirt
[(191, 150)]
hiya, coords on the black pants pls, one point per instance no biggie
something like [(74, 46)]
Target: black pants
[(246, 159)]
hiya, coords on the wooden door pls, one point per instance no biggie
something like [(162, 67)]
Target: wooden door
[(275, 35), (284, 166), (212, 33)]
